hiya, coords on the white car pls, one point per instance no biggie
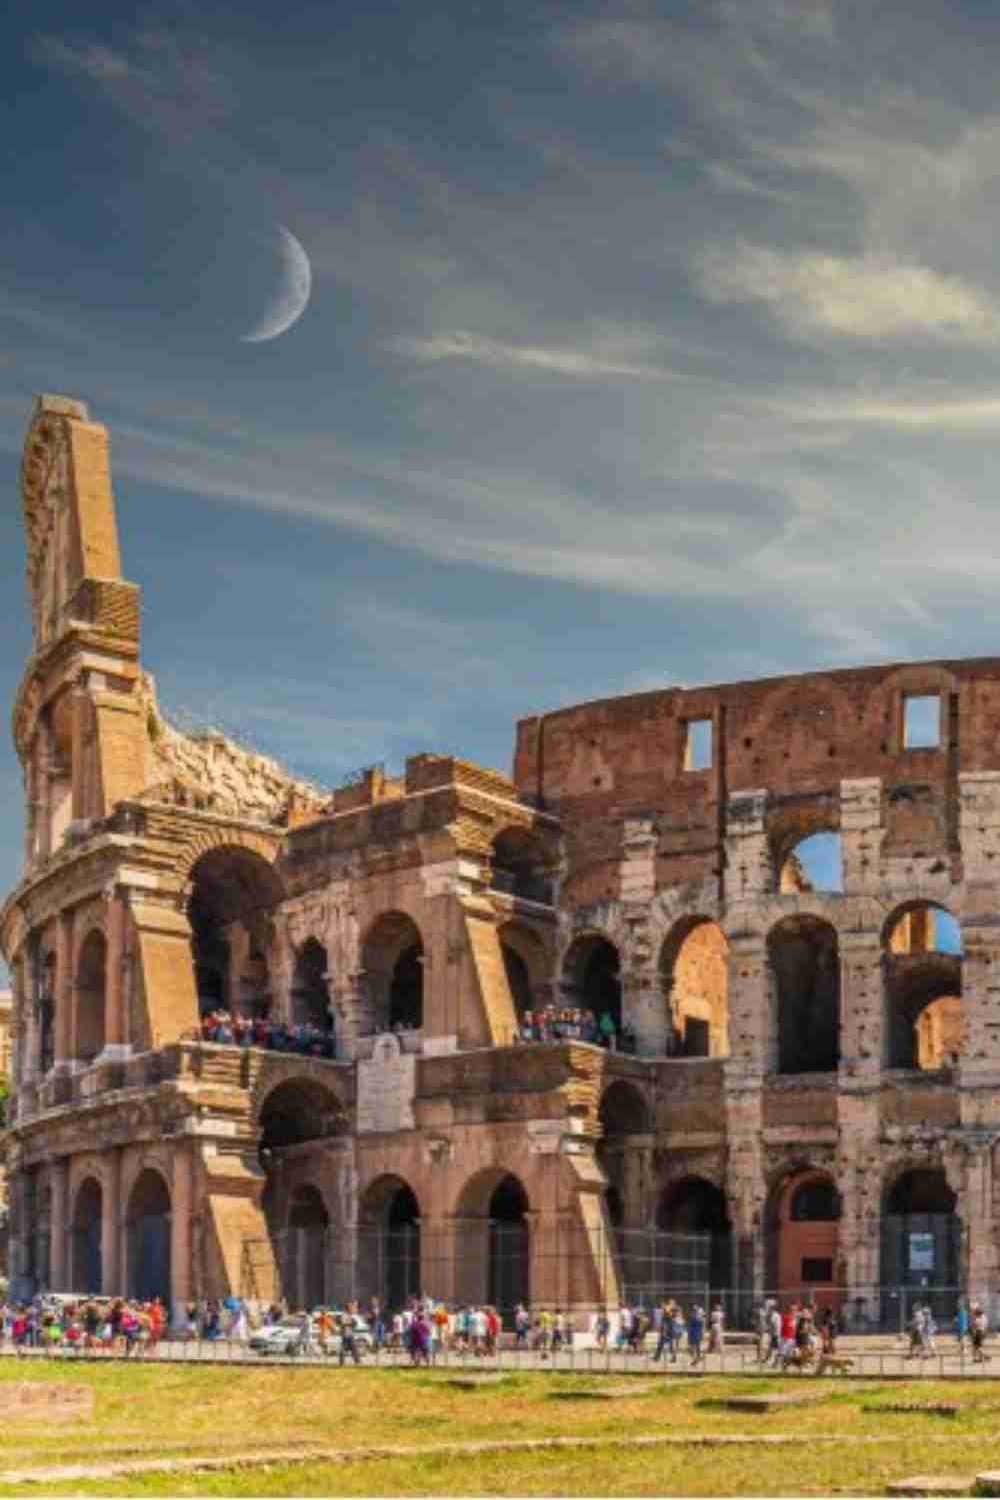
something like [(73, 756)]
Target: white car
[(289, 1337)]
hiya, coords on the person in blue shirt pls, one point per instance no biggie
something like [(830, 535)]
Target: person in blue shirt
[(695, 1332)]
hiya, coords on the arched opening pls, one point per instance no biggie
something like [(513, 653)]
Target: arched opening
[(526, 965), (698, 1256), (803, 1224), (44, 976), (298, 1110), (592, 978), (91, 985), (389, 1242), (85, 1269), (805, 969), (921, 1245), (310, 996), (518, 867), (147, 1235), (304, 1269), (493, 1242), (233, 893), (814, 863), (508, 1281), (626, 1127), (922, 977), (694, 972), (393, 963)]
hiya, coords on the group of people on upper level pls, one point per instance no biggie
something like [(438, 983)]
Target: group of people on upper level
[(559, 1023), (304, 1038)]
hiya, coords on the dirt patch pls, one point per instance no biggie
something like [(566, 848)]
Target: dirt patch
[(39, 1401)]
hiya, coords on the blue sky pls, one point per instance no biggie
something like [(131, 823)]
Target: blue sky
[(648, 344)]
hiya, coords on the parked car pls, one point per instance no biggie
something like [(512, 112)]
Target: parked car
[(289, 1337), (286, 1337)]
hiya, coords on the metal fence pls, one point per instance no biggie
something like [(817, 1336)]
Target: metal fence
[(478, 1261)]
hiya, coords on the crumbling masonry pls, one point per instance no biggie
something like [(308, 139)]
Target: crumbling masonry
[(811, 1087)]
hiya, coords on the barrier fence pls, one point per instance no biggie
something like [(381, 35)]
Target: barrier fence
[(503, 1265)]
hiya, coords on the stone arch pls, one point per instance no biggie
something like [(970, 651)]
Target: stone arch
[(304, 1263), (591, 976), (91, 995), (310, 994), (526, 963), (392, 961), (86, 1273), (921, 1240), (233, 892), (804, 962), (698, 1257), (694, 975), (297, 1110), (922, 986), (389, 1248), (493, 1248), (147, 1237), (802, 1245), (518, 866)]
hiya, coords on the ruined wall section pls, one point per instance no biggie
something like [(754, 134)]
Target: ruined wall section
[(215, 774)]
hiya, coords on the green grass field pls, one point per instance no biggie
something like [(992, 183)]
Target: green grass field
[(847, 1443)]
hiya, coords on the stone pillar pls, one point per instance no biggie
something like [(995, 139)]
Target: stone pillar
[(861, 835), (643, 1004), (17, 1237), (349, 1010), (753, 1040), (975, 1208), (182, 1207), (862, 1007), (116, 1036), (59, 1268), (113, 1269), (979, 1064), (64, 990), (859, 1183)]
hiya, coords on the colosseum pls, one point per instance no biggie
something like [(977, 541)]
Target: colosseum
[(272, 1039)]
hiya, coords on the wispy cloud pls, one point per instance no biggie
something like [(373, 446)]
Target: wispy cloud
[(865, 297)]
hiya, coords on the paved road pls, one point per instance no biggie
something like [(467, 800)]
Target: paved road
[(871, 1356)]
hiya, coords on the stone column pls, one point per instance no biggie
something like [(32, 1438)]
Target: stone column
[(182, 1206), (113, 1269), (63, 997), (975, 1207), (116, 1036), (349, 1009), (59, 1270), (862, 1007), (979, 1064), (643, 1004)]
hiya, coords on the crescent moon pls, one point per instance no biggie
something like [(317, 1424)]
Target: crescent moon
[(290, 296)]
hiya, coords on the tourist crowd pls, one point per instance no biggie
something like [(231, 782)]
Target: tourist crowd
[(553, 1023), (114, 1326), (257, 1031)]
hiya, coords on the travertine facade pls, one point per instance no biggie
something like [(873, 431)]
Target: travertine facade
[(813, 1078)]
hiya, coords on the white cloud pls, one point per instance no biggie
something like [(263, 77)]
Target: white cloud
[(862, 297), (577, 364)]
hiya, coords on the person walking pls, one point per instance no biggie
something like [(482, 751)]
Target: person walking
[(716, 1322), (961, 1324), (695, 1333), (979, 1327)]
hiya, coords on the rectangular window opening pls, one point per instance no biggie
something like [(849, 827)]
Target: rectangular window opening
[(698, 745), (922, 722), (696, 1037), (817, 1270)]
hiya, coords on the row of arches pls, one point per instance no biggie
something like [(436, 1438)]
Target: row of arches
[(147, 1238)]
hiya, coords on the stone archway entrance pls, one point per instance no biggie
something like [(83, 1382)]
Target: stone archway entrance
[(85, 1268), (305, 1278), (921, 1246), (147, 1233), (803, 1239), (389, 1249), (493, 1242)]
